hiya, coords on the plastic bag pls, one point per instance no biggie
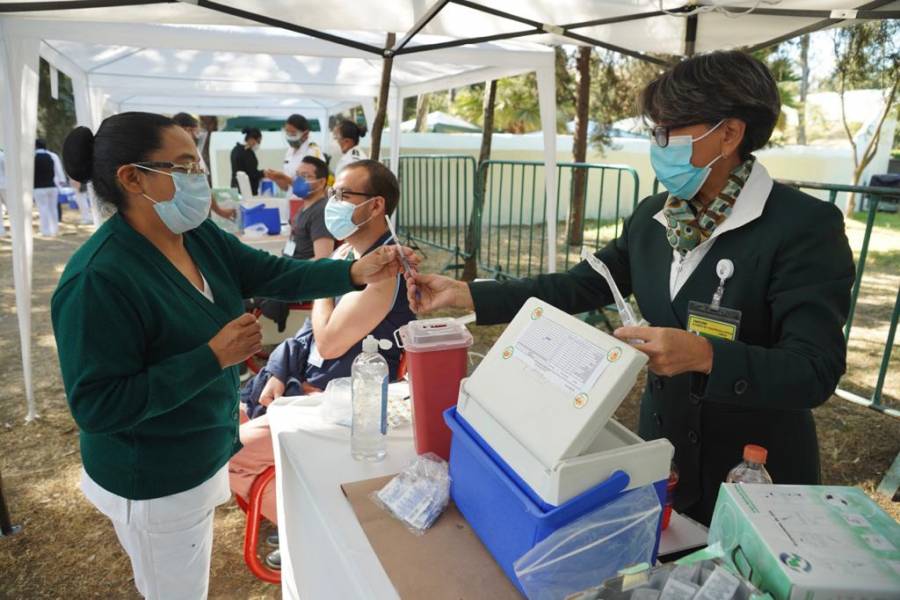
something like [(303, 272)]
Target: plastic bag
[(592, 548), (694, 577), (257, 230), (336, 402), (419, 494)]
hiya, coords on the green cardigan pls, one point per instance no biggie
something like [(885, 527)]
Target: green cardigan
[(157, 414), (792, 280)]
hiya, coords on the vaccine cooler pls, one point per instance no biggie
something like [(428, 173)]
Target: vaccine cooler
[(534, 446)]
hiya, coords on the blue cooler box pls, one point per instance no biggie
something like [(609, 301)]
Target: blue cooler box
[(270, 217), (507, 515), (534, 446)]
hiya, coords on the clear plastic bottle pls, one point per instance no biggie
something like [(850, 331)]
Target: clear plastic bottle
[(753, 469), (369, 383)]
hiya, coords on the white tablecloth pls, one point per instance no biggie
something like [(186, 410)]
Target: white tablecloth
[(324, 551)]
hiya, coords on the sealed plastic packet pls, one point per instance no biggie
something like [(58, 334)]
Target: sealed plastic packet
[(417, 495)]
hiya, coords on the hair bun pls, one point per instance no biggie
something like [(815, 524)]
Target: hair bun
[(362, 130), (78, 154)]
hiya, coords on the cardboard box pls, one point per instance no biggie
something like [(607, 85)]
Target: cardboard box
[(809, 542)]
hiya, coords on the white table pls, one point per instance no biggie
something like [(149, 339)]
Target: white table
[(324, 550), (273, 244)]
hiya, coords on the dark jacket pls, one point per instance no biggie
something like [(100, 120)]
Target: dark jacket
[(244, 159), (792, 280)]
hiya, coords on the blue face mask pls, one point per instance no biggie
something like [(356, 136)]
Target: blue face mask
[(339, 217), (301, 187), (190, 205), (673, 167)]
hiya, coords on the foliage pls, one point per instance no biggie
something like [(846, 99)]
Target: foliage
[(56, 118), (616, 84), (867, 55)]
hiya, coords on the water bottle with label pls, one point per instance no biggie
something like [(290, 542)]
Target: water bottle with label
[(753, 469), (369, 384)]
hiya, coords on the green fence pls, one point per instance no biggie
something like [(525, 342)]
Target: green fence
[(436, 193), (511, 236), (875, 196)]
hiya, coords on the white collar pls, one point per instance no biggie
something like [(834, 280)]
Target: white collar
[(749, 204)]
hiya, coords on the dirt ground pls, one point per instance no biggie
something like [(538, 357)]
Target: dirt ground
[(68, 550)]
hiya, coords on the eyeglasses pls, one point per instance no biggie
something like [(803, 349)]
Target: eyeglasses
[(661, 133), (339, 193), (191, 168)]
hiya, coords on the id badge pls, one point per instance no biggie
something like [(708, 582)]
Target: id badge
[(315, 359), (289, 247), (723, 323)]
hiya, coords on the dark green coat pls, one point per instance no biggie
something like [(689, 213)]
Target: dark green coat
[(156, 413), (792, 280)]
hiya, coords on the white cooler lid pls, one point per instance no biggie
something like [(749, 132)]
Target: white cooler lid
[(548, 386)]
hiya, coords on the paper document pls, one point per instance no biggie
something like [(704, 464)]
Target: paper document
[(560, 356)]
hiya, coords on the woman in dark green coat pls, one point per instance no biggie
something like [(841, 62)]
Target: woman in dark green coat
[(776, 260), (150, 327)]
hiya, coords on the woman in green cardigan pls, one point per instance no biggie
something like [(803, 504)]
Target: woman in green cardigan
[(775, 261), (150, 327)]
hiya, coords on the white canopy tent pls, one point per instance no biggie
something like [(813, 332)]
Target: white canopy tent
[(167, 68), (206, 56)]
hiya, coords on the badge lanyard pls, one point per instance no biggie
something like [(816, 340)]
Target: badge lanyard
[(713, 319)]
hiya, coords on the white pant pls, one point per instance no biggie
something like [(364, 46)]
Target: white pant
[(84, 205), (46, 200), (168, 539), (2, 210)]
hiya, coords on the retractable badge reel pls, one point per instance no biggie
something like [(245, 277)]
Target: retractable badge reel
[(713, 319)]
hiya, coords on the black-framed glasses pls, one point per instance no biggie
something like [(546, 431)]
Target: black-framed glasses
[(661, 133), (339, 193), (191, 168)]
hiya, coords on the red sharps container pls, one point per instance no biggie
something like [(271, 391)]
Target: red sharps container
[(436, 354)]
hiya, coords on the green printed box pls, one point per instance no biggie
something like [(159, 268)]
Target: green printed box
[(805, 542)]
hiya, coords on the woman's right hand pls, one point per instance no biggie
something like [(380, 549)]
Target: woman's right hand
[(237, 341), (430, 292), (274, 388)]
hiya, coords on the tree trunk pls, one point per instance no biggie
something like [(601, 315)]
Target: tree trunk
[(422, 113), (804, 89), (381, 114), (871, 148), (473, 231), (579, 148)]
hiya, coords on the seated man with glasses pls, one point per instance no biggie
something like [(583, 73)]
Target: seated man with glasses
[(365, 193)]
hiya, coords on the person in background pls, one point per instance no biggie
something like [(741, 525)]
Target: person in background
[(346, 135), (48, 178), (745, 283), (243, 158), (150, 326), (192, 126), (310, 237), (2, 192), (82, 198), (296, 132), (365, 193)]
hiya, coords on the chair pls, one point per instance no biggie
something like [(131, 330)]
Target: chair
[(253, 508)]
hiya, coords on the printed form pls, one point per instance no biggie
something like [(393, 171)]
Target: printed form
[(560, 356)]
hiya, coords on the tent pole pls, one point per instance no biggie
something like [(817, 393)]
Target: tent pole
[(18, 96), (690, 35), (546, 80), (395, 104), (380, 116)]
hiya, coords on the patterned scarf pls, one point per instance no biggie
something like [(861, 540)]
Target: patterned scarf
[(689, 223)]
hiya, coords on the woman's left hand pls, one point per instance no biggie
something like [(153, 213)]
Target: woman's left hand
[(381, 263), (671, 351)]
